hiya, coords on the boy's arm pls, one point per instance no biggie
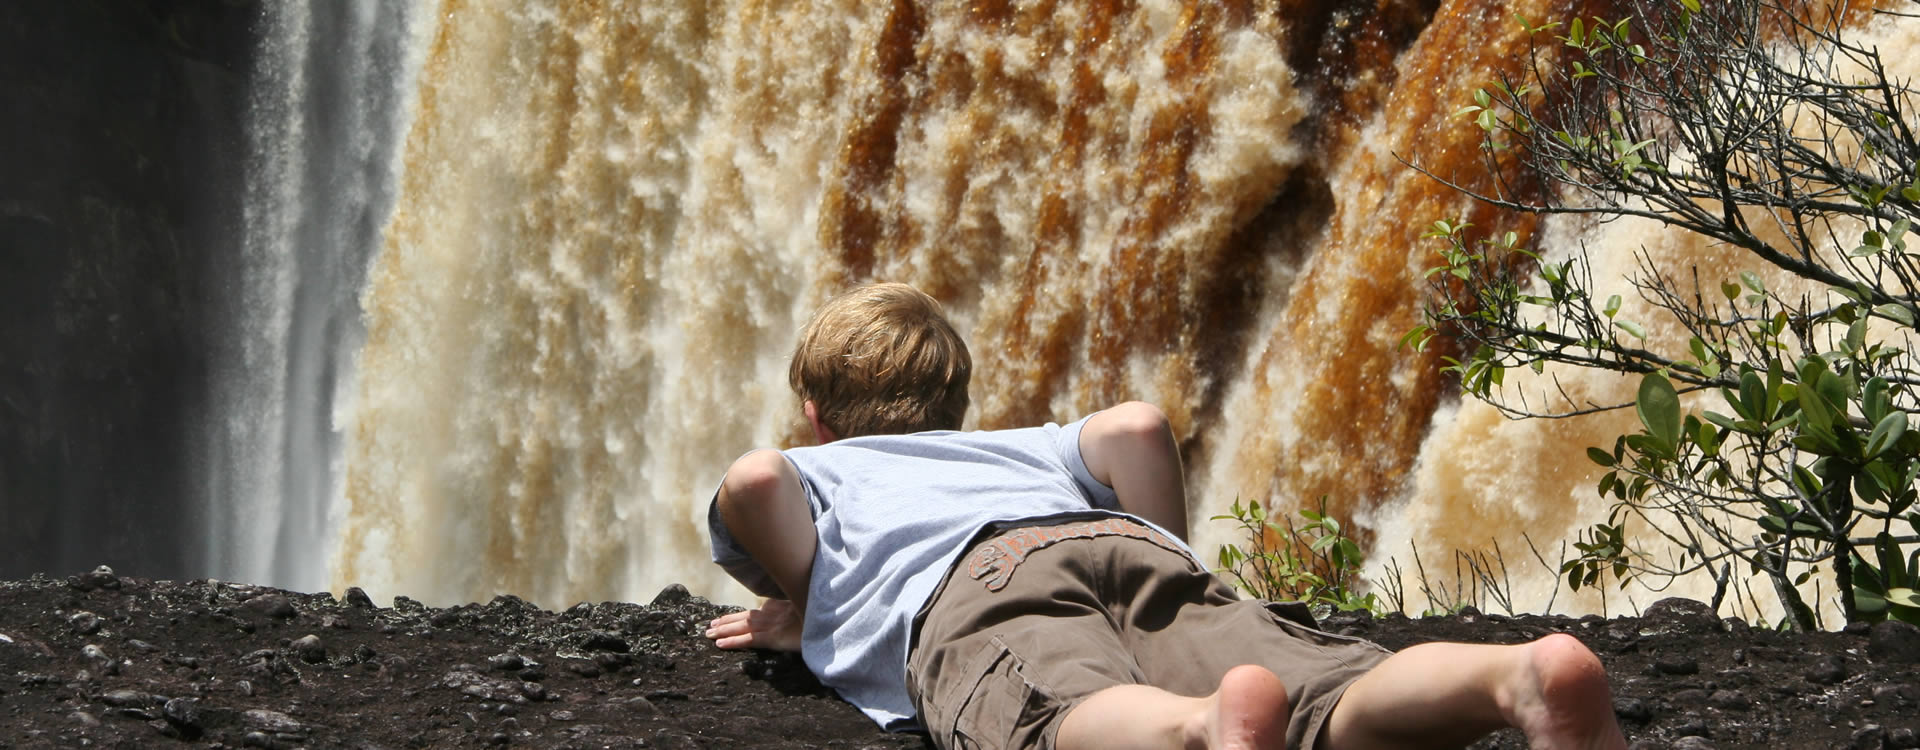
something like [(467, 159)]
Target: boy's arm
[(1130, 448), (765, 508)]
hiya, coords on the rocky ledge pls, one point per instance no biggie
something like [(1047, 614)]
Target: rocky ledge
[(103, 660)]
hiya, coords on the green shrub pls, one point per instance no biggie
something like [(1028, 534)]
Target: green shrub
[(1313, 562)]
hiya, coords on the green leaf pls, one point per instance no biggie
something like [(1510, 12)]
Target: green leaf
[(1613, 305), (1868, 602), (1752, 280), (1886, 433), (1892, 569), (1730, 289), (1600, 457), (1895, 312), (1659, 409), (1904, 597), (1722, 421), (1633, 329), (1692, 6)]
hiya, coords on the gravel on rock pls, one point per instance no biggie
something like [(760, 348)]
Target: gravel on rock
[(108, 660)]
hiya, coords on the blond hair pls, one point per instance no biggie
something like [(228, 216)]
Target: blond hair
[(882, 359)]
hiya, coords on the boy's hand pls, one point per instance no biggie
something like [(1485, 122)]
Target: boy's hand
[(775, 625)]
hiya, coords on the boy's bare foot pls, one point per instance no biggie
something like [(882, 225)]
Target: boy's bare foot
[(1561, 700), (1249, 712)]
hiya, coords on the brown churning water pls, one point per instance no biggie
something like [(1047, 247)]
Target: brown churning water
[(615, 216)]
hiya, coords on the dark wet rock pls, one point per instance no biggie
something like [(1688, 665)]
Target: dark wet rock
[(129, 698), (1902, 738), (1677, 615), (612, 661), (584, 668), (1632, 709), (270, 606), (1677, 665), (673, 595), (506, 662), (358, 599), (84, 622), (485, 688), (1896, 694), (1827, 670), (674, 687), (1691, 742), (185, 716), (600, 640), (1729, 700), (272, 722), (99, 578), (1869, 737), (84, 719), (580, 611), (1894, 642), (1691, 697), (1692, 726), (640, 706), (310, 649)]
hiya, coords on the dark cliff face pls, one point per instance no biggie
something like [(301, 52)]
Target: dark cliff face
[(119, 203)]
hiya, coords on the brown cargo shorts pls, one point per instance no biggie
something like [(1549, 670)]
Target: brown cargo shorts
[(1033, 620)]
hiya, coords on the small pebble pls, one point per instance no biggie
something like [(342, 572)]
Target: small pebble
[(1827, 670), (1632, 709), (640, 705), (273, 606), (1869, 737), (310, 649), (124, 698), (673, 594), (84, 623), (1677, 666)]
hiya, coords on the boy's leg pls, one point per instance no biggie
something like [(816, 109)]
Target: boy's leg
[(1448, 694), (1248, 712)]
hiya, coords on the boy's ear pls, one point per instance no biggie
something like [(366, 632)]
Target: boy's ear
[(822, 434)]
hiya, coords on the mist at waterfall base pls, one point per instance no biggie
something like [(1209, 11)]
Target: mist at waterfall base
[(521, 277)]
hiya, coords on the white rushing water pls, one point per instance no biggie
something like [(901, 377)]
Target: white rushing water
[(330, 92), (580, 236)]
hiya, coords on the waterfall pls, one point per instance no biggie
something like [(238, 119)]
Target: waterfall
[(328, 107), (612, 217)]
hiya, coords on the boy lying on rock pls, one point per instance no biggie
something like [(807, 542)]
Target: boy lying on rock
[(1031, 587)]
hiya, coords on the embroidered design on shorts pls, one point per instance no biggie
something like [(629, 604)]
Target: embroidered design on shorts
[(993, 561)]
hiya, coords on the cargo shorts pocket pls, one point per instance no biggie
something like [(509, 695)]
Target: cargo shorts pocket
[(996, 695)]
